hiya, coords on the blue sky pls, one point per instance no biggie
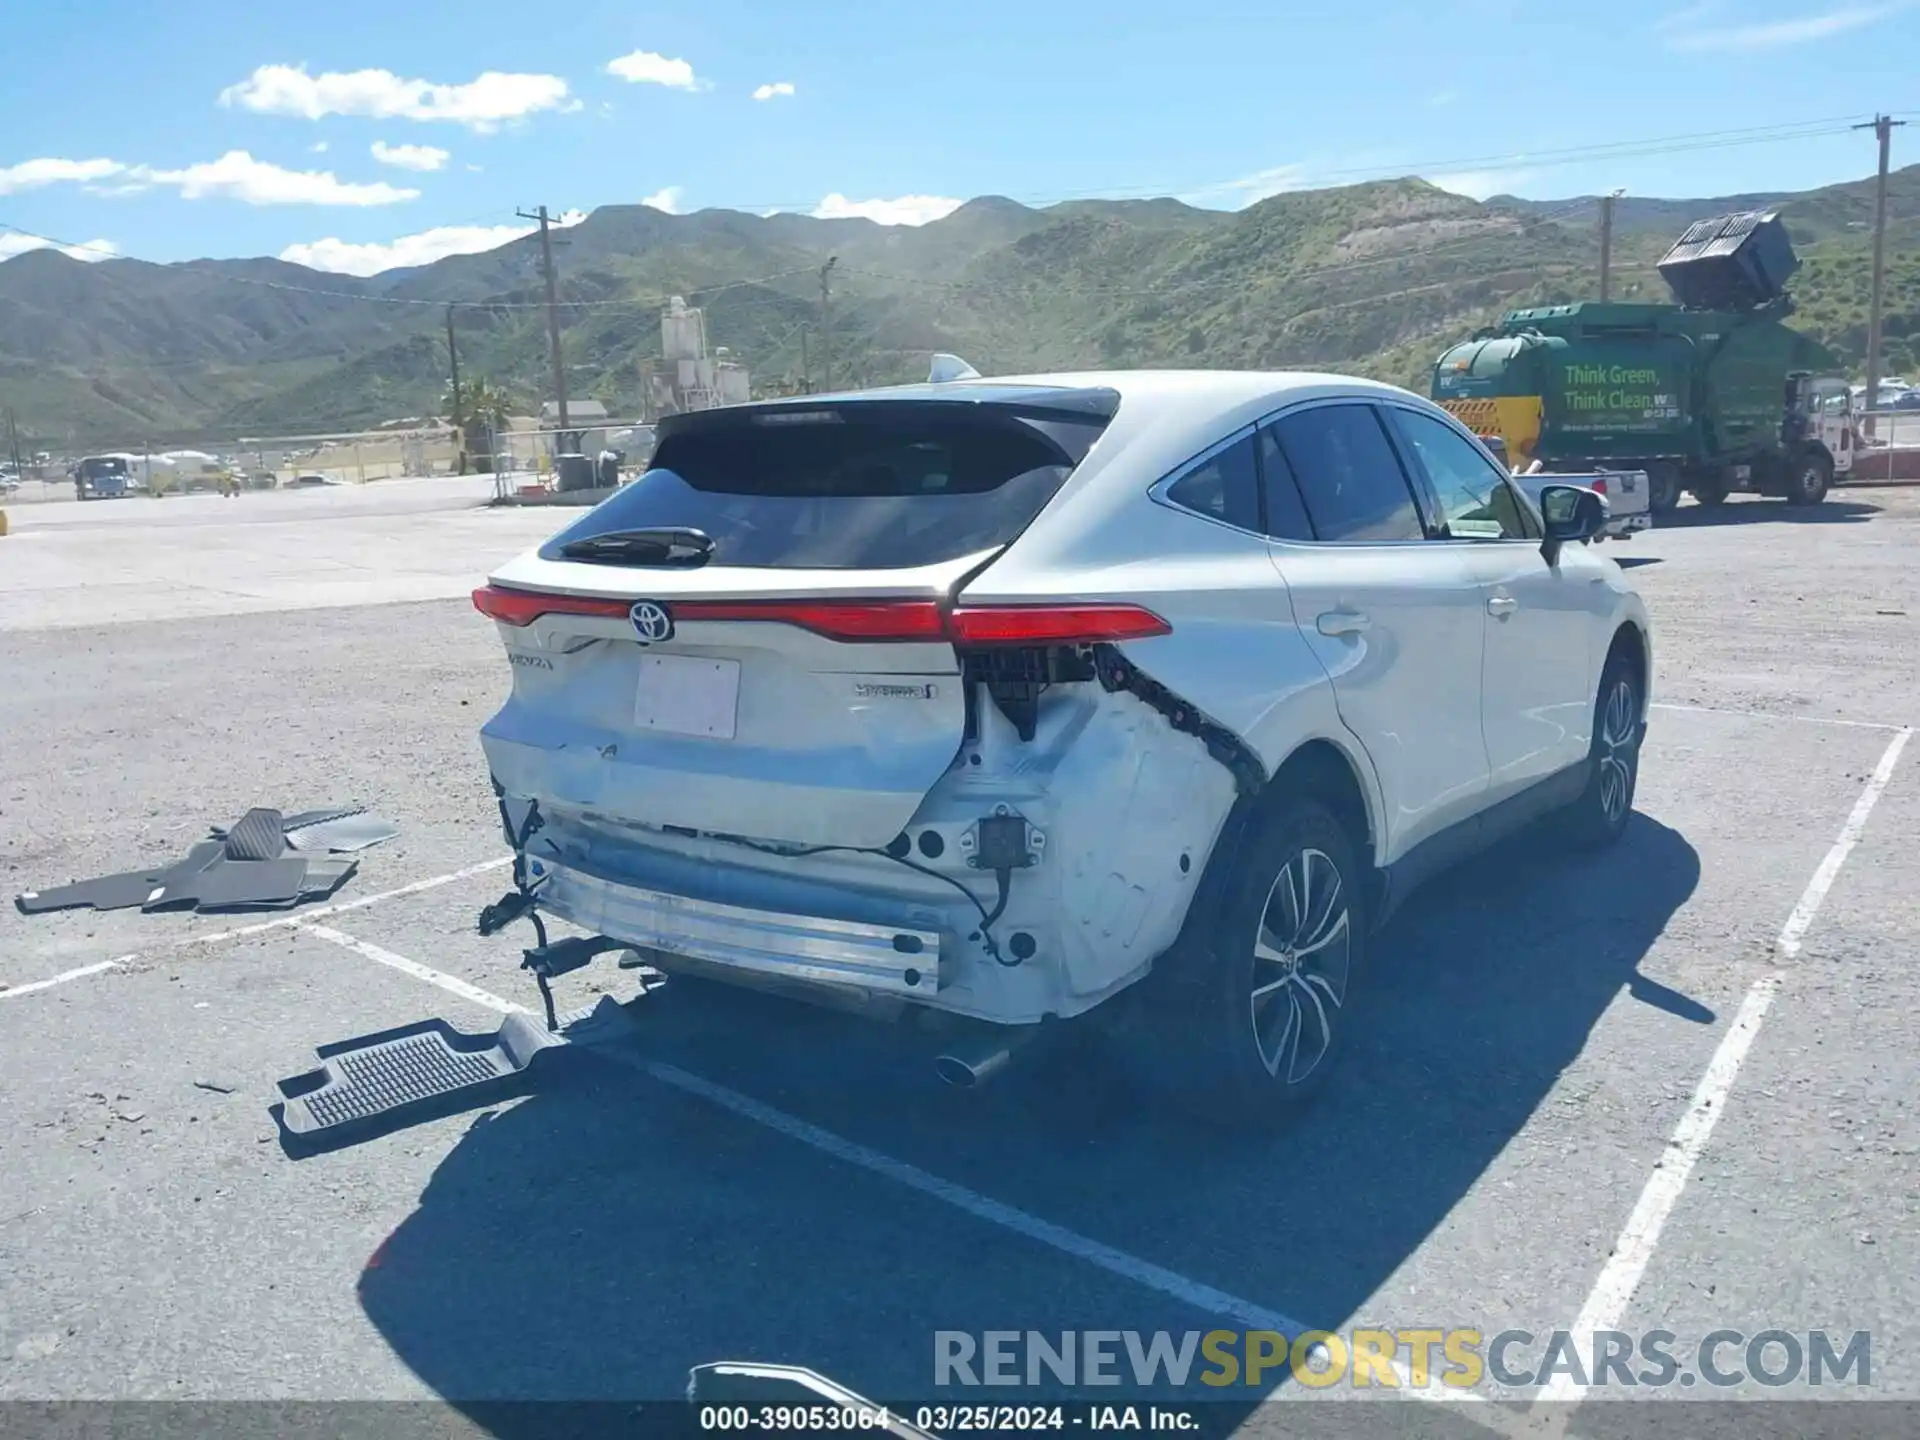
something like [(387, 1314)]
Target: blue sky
[(353, 135)]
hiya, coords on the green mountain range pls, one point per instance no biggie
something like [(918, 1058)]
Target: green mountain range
[(1374, 279)]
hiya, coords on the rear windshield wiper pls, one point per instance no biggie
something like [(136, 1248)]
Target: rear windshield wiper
[(662, 545)]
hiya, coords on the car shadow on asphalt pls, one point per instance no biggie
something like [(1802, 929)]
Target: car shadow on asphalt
[(604, 1235), (1744, 510)]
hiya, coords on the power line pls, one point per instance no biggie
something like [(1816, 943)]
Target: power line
[(1779, 132)]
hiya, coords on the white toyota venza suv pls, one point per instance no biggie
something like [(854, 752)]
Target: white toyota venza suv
[(1001, 700)]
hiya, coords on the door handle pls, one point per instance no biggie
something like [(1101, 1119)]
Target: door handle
[(1501, 606), (1344, 622)]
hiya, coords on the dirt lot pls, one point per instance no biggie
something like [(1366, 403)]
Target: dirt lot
[(1670, 1088)]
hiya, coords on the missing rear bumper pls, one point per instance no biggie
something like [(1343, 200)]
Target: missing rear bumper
[(902, 958)]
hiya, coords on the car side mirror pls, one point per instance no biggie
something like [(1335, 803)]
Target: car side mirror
[(1569, 512)]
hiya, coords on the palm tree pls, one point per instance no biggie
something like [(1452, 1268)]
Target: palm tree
[(486, 406)]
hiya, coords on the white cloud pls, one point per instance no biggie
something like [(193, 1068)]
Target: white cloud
[(346, 257), (778, 87), (319, 147), (1686, 33), (410, 157), (1250, 189), (643, 67), (667, 199), (482, 104), (1482, 184), (901, 210), (236, 175), (31, 174), (12, 244)]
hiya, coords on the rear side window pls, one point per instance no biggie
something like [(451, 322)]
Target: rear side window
[(1349, 477), (1225, 486), (1286, 511), (879, 485)]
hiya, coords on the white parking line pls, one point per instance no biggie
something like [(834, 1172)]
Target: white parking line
[(1816, 891), (1145, 1273), (450, 983), (1634, 1248), (62, 978), (1776, 715), (285, 922)]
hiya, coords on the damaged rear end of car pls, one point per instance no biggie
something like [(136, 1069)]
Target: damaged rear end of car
[(758, 730)]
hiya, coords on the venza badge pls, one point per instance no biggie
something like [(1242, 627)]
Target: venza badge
[(651, 622)]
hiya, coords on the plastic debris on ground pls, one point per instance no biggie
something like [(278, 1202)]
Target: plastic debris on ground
[(265, 860)]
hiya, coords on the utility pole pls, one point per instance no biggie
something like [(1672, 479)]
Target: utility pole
[(1882, 128), (826, 325), (1606, 245), (806, 365), (459, 410), (553, 322)]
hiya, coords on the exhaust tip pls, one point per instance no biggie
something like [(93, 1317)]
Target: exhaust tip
[(969, 1072), (956, 1072)]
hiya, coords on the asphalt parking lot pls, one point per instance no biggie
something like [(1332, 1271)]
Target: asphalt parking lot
[(1671, 1087)]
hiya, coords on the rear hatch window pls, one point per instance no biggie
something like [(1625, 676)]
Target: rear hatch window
[(849, 485)]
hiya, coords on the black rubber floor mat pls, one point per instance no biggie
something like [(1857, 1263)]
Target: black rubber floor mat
[(121, 892), (257, 835), (244, 885), (378, 1083)]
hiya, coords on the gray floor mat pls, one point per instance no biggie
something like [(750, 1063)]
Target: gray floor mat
[(349, 832), (326, 875), (120, 892), (314, 817), (245, 884), (257, 835)]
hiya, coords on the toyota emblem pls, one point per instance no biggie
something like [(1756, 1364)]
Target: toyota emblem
[(651, 622)]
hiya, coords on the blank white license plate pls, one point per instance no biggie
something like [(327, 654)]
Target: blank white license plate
[(685, 695)]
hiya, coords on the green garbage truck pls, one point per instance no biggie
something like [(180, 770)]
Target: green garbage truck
[(1709, 395)]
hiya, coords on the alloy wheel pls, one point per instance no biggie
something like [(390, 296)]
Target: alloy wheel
[(1617, 741), (1301, 957)]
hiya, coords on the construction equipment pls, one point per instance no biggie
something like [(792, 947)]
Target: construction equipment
[(1709, 395)]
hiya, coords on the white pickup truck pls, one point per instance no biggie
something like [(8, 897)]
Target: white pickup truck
[(1627, 493)]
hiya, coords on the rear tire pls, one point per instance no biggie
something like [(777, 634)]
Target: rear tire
[(1808, 478), (1710, 490), (1663, 488), (1252, 1020), (1599, 817)]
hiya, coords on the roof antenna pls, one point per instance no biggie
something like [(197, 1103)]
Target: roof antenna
[(950, 367)]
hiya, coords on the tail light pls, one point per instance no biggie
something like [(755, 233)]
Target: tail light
[(523, 607), (835, 619), (860, 620), (1599, 486), (1052, 624)]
